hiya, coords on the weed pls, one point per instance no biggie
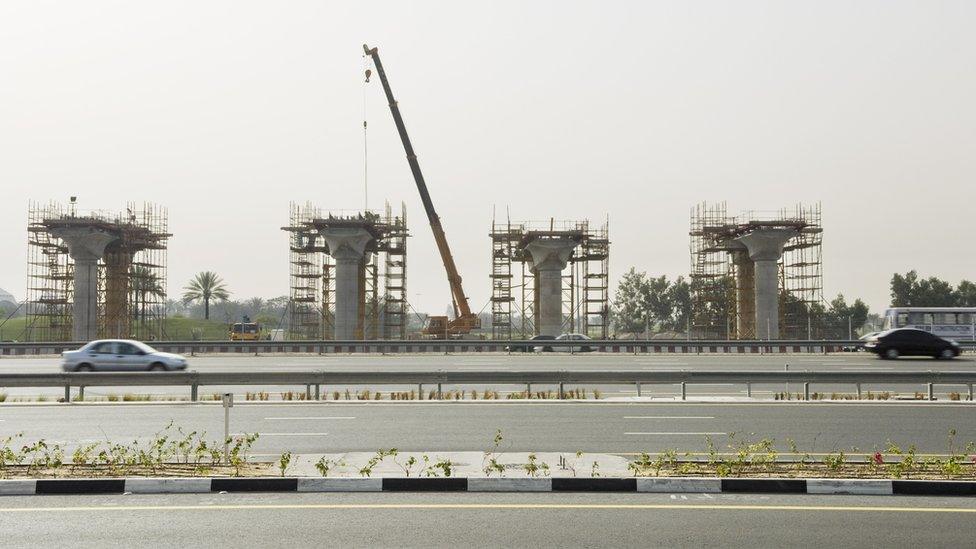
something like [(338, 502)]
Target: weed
[(597, 394), (367, 470), (532, 466), (283, 462), (324, 465), (833, 462), (489, 463), (445, 465), (641, 466)]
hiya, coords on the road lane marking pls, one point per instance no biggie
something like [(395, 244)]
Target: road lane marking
[(688, 434), (669, 417), (285, 434), (309, 418), (524, 506)]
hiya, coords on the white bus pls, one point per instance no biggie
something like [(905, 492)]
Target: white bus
[(957, 323)]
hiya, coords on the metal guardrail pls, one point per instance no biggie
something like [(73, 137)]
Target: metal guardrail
[(316, 379), (462, 346)]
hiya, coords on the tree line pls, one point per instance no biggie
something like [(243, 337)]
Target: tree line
[(646, 304)]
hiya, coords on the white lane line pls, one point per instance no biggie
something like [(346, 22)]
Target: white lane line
[(286, 434), (664, 433), (482, 368), (669, 417), (309, 418), (872, 369)]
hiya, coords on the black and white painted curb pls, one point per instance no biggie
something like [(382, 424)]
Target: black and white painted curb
[(447, 484)]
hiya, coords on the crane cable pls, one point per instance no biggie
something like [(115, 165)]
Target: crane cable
[(365, 140)]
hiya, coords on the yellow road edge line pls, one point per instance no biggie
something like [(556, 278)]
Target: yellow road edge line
[(555, 506)]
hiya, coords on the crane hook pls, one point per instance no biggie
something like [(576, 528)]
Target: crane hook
[(368, 74)]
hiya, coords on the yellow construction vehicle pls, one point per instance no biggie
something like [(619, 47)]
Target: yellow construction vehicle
[(464, 320), (245, 331)]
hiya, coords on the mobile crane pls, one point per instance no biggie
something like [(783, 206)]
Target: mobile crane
[(464, 320)]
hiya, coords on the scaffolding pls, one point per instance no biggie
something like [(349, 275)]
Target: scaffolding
[(311, 307), (131, 278), (585, 299), (715, 275)]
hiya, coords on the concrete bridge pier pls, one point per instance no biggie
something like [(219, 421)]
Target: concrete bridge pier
[(347, 245), (86, 245), (765, 247), (549, 258)]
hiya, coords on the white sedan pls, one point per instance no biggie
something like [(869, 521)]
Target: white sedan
[(572, 348), (119, 355)]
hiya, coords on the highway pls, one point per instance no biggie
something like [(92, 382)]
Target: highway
[(847, 362), (600, 427), (487, 520), (541, 361)]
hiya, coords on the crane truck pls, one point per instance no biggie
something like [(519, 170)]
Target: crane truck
[(464, 320)]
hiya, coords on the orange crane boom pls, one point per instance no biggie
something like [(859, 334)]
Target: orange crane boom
[(464, 320)]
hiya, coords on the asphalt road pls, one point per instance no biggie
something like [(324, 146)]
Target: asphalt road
[(598, 427), (847, 362), (539, 361), (487, 520)]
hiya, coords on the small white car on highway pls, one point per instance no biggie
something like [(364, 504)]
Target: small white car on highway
[(120, 355)]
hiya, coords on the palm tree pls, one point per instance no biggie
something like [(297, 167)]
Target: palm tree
[(205, 287), (145, 283)]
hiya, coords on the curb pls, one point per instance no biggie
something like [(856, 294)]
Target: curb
[(875, 487)]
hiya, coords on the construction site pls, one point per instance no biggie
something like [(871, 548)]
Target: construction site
[(95, 274), (533, 291), (348, 274), (757, 275)]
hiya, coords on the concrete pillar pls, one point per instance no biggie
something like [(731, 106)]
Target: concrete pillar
[(347, 246), (765, 247), (745, 295), (549, 258), (86, 245), (117, 289)]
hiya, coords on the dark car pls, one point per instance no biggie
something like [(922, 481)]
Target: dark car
[(911, 342), (528, 346)]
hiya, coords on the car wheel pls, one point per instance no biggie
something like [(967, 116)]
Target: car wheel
[(157, 367), (891, 354), (84, 368), (947, 354)]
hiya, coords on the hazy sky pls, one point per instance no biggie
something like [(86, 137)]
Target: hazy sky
[(224, 111)]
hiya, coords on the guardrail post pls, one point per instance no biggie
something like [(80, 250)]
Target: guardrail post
[(67, 393), (970, 392), (858, 391), (528, 390), (81, 392), (930, 388), (749, 389), (194, 390), (317, 394), (560, 390), (806, 390), (684, 391), (308, 392), (420, 391), (440, 395), (638, 388)]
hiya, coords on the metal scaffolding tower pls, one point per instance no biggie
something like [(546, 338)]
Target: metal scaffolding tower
[(585, 287), (716, 281), (131, 286), (311, 309)]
